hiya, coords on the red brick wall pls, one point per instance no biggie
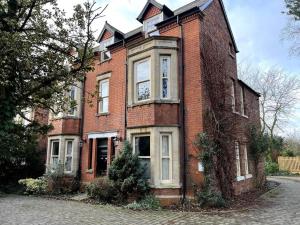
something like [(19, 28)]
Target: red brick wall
[(65, 126), (115, 119), (106, 35), (151, 11)]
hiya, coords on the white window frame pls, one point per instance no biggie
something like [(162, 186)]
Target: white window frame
[(232, 90), (72, 111), (54, 156), (103, 48), (237, 159), (158, 17), (243, 111), (134, 150), (69, 155), (162, 57), (246, 160), (166, 157), (135, 64), (100, 103)]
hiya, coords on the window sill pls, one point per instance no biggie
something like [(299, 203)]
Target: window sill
[(165, 185), (102, 114), (104, 61), (242, 115), (90, 171), (148, 102), (241, 178)]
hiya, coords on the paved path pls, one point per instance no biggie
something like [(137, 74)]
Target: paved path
[(283, 207)]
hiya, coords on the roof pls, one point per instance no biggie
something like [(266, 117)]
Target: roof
[(163, 8), (114, 31), (197, 3), (249, 88)]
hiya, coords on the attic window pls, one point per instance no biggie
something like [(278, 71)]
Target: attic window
[(105, 54), (150, 24)]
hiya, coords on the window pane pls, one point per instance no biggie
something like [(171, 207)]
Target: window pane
[(165, 169), (69, 148), (72, 93), (68, 164), (142, 71), (142, 146), (104, 103), (54, 162), (55, 148), (165, 67), (146, 164), (164, 87), (143, 90), (165, 146), (104, 89), (150, 23)]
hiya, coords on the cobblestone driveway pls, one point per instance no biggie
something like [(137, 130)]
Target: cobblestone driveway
[(283, 208)]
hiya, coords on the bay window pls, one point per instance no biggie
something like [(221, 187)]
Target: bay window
[(103, 96), (142, 79), (68, 155), (142, 149), (165, 76)]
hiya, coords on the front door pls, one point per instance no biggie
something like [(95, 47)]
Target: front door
[(101, 156)]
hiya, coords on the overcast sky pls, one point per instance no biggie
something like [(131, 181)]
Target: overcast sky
[(257, 26)]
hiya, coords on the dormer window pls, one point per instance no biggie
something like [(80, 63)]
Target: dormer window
[(105, 54), (149, 24)]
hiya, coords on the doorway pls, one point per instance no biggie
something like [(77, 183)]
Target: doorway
[(101, 156)]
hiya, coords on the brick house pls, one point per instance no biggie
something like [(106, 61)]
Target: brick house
[(151, 93)]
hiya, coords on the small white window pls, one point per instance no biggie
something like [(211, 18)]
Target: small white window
[(237, 158), (72, 99), (243, 109), (165, 76), (246, 160), (69, 155), (166, 167), (232, 95), (142, 79), (105, 54), (150, 24), (54, 153), (103, 96), (142, 149)]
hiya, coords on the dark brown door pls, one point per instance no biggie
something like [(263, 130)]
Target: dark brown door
[(101, 156)]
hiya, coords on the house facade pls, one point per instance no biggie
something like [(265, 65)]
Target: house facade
[(150, 89)]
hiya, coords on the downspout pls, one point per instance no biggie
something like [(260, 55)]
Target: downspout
[(81, 127), (126, 93), (181, 111)]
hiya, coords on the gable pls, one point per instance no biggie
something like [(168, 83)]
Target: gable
[(150, 12), (106, 35)]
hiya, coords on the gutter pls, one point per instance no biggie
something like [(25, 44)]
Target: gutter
[(126, 92), (181, 112)]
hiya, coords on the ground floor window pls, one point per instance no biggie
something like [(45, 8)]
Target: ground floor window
[(237, 158), (142, 148), (166, 157), (54, 153), (69, 155), (246, 164)]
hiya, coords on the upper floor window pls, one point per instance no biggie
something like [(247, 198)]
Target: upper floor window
[(243, 106), (72, 98), (150, 24), (165, 76), (142, 79), (232, 94), (105, 54), (103, 96)]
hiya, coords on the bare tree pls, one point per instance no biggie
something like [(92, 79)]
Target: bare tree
[(279, 95)]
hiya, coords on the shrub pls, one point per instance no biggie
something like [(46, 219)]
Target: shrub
[(288, 153), (127, 174), (212, 199), (271, 168), (101, 189), (34, 186), (148, 202)]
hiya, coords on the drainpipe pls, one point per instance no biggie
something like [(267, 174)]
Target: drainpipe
[(126, 93), (81, 126), (181, 111)]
